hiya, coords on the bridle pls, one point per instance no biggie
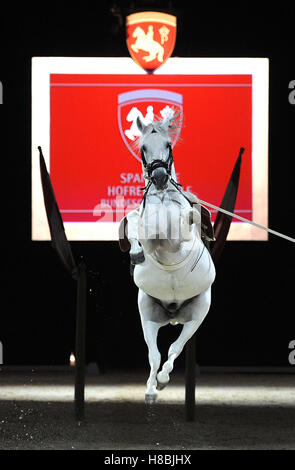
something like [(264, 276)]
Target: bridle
[(150, 167)]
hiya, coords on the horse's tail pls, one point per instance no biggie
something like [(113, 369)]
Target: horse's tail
[(223, 221)]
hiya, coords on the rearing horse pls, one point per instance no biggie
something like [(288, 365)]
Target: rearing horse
[(173, 269)]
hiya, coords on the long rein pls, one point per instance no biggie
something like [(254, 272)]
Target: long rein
[(167, 165)]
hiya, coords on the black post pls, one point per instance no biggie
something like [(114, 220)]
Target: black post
[(190, 378), (80, 342)]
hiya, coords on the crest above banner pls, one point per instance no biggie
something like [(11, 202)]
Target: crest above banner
[(150, 38)]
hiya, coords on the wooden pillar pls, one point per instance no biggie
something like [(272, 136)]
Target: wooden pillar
[(80, 342), (190, 378)]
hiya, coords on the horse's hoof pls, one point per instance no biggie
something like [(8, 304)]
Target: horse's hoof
[(150, 399), (162, 380), (160, 385)]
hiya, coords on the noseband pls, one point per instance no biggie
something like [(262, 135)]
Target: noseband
[(150, 167)]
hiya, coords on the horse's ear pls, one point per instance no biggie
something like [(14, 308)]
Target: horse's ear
[(140, 124)]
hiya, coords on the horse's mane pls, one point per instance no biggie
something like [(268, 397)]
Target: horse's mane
[(168, 127)]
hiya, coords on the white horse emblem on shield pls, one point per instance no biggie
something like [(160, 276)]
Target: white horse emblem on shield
[(146, 42), (146, 104), (132, 116)]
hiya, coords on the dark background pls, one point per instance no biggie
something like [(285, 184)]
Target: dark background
[(251, 320)]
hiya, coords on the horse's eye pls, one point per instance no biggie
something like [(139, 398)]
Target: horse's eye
[(168, 145), (143, 148)]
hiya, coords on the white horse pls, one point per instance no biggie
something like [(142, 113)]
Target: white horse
[(173, 269), (146, 42)]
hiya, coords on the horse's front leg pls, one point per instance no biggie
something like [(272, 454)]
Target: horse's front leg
[(192, 316), (152, 318), (136, 250)]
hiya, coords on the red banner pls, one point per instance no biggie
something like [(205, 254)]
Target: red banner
[(93, 156)]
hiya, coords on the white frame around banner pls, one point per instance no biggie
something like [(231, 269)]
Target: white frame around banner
[(42, 67)]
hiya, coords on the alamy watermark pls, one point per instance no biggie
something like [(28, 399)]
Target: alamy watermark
[(154, 221), (291, 96), (291, 356), (1, 353)]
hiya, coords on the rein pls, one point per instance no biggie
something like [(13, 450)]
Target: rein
[(150, 167)]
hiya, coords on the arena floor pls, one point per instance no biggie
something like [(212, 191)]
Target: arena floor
[(233, 411)]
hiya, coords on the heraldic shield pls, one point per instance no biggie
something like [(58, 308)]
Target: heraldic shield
[(150, 38), (149, 105)]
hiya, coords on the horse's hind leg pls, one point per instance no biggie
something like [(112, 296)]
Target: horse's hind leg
[(150, 330), (192, 316), (161, 54), (152, 319)]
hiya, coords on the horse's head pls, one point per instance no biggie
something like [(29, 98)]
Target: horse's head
[(138, 32), (156, 151)]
